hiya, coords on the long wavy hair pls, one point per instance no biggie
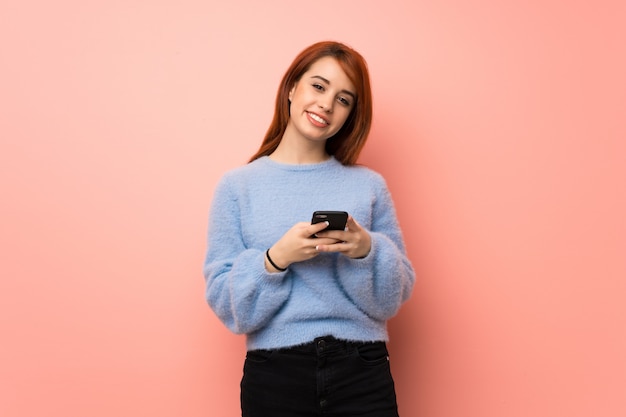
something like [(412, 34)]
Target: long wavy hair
[(347, 143)]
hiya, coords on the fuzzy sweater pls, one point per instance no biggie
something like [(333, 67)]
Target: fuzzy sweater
[(331, 294)]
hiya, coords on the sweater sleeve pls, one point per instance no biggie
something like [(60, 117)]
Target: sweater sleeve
[(379, 283), (241, 292)]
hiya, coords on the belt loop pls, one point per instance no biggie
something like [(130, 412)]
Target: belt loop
[(320, 345)]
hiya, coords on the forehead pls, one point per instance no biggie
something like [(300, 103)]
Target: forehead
[(330, 69)]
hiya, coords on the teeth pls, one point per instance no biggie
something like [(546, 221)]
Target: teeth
[(317, 118)]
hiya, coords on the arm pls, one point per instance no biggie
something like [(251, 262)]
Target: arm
[(240, 290), (381, 282), (375, 271), (242, 286)]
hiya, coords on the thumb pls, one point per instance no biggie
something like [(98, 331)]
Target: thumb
[(352, 224)]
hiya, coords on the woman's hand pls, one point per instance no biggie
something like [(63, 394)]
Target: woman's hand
[(354, 242), (297, 245)]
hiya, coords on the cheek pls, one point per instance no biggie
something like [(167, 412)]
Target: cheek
[(345, 115), (299, 99)]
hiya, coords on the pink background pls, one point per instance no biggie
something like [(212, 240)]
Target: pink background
[(500, 127)]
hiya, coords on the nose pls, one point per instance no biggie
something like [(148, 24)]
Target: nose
[(325, 104)]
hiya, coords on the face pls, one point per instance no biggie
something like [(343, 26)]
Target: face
[(321, 102)]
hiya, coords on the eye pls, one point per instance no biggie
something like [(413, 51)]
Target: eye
[(319, 87), (344, 101)]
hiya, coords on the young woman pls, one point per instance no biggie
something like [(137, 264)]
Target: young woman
[(313, 303)]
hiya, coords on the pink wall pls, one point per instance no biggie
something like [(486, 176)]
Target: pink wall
[(498, 125)]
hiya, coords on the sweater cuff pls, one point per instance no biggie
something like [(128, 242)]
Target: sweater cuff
[(270, 276), (367, 260)]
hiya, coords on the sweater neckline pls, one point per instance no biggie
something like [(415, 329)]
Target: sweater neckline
[(298, 167)]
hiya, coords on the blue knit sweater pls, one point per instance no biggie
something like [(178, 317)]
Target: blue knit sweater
[(331, 294)]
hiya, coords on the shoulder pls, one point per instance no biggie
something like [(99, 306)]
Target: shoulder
[(241, 174), (366, 175), (231, 184)]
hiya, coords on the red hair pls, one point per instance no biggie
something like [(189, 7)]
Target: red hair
[(347, 143)]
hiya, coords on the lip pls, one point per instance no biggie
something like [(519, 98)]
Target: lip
[(315, 122)]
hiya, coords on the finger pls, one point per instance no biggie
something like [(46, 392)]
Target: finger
[(335, 247), (324, 241), (332, 234), (317, 227)]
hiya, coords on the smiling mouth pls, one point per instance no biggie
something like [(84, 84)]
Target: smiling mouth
[(318, 119)]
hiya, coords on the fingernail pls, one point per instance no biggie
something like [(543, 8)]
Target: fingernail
[(317, 248), (327, 223)]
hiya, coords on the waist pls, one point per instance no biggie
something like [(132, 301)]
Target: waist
[(325, 344)]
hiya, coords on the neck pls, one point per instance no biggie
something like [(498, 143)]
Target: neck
[(299, 153)]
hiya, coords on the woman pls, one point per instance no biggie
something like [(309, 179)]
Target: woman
[(313, 303)]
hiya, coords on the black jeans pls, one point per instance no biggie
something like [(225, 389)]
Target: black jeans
[(326, 377)]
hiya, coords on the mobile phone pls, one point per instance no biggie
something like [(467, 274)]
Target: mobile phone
[(337, 220)]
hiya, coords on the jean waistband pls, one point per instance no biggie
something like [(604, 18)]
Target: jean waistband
[(326, 344)]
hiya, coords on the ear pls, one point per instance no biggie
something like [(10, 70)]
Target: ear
[(292, 91)]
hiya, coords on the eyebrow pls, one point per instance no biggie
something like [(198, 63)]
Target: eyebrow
[(350, 93)]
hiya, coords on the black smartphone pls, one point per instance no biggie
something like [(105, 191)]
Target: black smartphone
[(337, 219)]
